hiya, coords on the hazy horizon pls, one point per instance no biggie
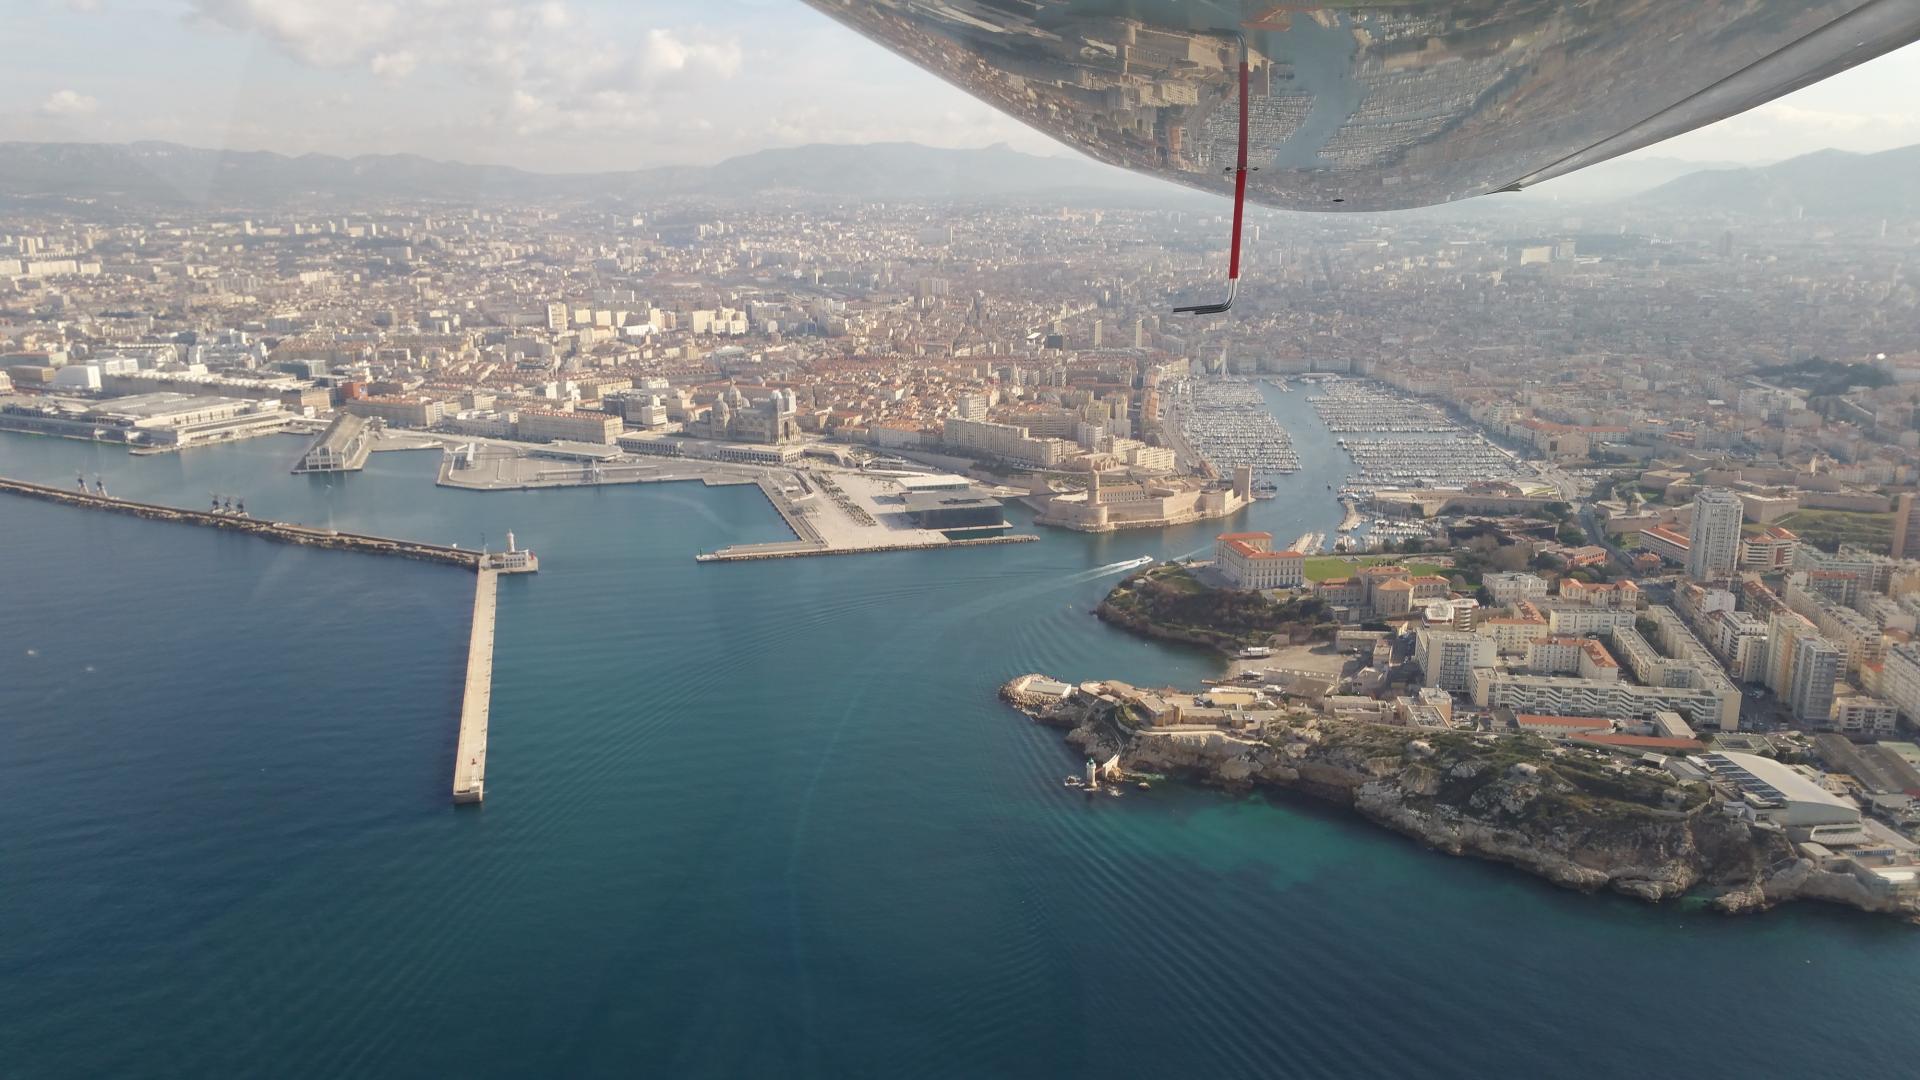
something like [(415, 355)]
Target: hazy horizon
[(1657, 152), (594, 86)]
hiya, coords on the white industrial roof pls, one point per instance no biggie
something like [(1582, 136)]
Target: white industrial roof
[(1791, 785), (934, 482)]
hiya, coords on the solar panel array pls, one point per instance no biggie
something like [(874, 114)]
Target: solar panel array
[(1749, 784)]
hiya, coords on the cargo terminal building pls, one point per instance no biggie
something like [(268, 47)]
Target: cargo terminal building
[(161, 419)]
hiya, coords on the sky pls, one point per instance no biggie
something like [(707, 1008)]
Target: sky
[(588, 85)]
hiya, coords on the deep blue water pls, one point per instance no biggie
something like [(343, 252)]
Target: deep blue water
[(762, 818)]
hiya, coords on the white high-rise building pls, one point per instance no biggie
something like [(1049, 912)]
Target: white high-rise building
[(1447, 657), (1900, 682), (1817, 664), (1713, 548)]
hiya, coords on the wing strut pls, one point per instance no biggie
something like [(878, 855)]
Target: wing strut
[(1239, 205)]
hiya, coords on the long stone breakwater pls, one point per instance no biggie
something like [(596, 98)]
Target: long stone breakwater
[(470, 761), (281, 531)]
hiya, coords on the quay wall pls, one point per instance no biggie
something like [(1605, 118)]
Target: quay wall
[(1191, 517), (793, 550), (803, 529)]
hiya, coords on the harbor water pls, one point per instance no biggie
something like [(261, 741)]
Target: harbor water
[(745, 819)]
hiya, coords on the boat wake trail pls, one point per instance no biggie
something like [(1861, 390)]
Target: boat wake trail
[(1114, 568)]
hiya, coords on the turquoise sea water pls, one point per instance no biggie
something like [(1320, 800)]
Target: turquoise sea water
[(761, 818)]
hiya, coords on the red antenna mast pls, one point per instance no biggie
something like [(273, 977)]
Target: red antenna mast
[(1239, 205)]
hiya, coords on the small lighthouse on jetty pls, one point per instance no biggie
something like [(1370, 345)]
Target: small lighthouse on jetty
[(514, 560)]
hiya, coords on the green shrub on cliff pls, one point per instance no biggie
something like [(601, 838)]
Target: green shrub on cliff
[(1168, 601), (1567, 785)]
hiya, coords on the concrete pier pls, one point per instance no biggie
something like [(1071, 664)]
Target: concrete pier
[(470, 758), (1351, 520), (342, 447)]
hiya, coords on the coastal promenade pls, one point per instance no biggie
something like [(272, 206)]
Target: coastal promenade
[(470, 757), (237, 522)]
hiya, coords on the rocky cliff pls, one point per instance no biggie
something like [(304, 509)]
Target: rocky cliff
[(1567, 816)]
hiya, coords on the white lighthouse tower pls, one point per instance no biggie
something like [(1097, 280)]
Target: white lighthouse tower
[(514, 560)]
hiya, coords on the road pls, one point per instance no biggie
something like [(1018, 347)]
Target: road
[(1185, 460), (1598, 534)]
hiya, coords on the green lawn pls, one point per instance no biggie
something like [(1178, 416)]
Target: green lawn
[(1322, 567), (1176, 578), (1828, 529)]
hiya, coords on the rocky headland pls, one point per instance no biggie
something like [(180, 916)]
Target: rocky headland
[(1552, 811)]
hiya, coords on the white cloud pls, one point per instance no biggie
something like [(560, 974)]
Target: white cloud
[(668, 53), (544, 66), (325, 33), (617, 87), (1829, 120), (63, 103), (394, 65)]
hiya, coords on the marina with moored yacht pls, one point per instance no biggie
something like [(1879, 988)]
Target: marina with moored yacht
[(1227, 424), (1444, 461), (1348, 405)]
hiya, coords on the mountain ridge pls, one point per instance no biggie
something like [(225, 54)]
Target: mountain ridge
[(169, 172), (1823, 184)]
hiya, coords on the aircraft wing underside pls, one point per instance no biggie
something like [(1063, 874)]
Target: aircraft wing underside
[(1376, 105)]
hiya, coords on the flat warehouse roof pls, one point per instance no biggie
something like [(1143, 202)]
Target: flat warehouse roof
[(948, 500), (936, 482)]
